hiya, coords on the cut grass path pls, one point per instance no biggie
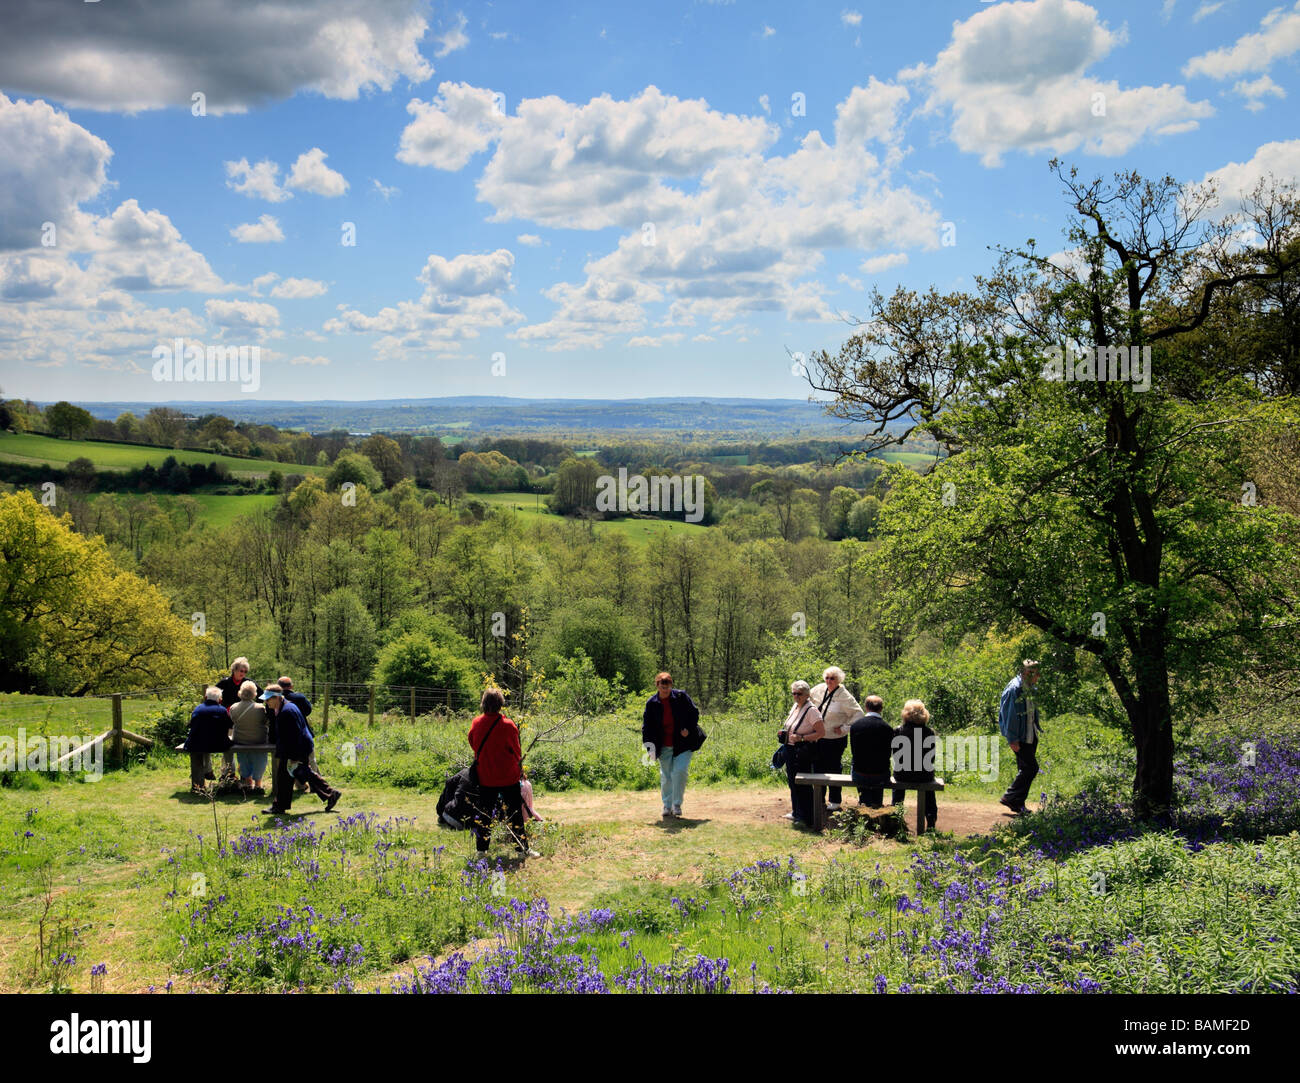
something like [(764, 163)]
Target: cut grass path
[(108, 839)]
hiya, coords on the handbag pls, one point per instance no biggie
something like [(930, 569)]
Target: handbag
[(782, 754)]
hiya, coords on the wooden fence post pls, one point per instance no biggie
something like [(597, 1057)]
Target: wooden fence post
[(412, 703), (371, 720), (117, 728), (325, 711)]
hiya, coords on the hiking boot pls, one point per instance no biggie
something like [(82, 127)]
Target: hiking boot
[(333, 800), (1010, 804)]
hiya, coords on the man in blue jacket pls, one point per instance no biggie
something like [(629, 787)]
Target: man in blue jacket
[(294, 746), (209, 733), (304, 708), (1018, 720)]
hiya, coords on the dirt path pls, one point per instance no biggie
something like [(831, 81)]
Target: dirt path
[(744, 806)]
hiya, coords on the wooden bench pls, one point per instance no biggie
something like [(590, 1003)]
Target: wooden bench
[(249, 748), (820, 782)]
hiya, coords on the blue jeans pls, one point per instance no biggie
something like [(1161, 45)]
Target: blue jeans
[(252, 765), (672, 776)]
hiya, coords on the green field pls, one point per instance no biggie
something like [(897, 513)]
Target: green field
[(219, 509), (35, 449), (637, 530)]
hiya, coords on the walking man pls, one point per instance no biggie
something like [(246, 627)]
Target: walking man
[(670, 732), (293, 748), (1018, 720)]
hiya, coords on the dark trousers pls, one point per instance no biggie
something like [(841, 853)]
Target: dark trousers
[(485, 807), (931, 802), (284, 784), (829, 757), (871, 789), (200, 768), (801, 760), (1027, 764)]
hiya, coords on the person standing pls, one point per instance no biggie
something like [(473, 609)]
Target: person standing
[(914, 747), (249, 719), (499, 763), (209, 733), (871, 740), (1018, 721), (800, 733), (293, 747), (230, 686), (839, 710), (304, 708), (670, 731)]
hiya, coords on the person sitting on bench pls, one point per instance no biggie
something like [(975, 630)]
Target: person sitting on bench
[(871, 742), (914, 750)]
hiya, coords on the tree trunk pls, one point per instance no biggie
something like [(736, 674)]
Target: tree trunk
[(1153, 736)]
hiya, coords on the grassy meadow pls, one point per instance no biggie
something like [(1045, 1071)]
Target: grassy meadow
[(159, 891), (37, 449)]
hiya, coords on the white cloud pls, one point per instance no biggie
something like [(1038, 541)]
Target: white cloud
[(130, 57), (871, 113), (1207, 9), (876, 264), (48, 165), (768, 31), (296, 289), (671, 339), (303, 359), (1014, 77), (449, 130), (1278, 36), (1255, 90), (265, 230), (385, 191), (454, 38), (259, 181), (467, 275), (311, 174), (530, 240), (765, 103), (852, 283), (1237, 179), (851, 18), (243, 315), (138, 250)]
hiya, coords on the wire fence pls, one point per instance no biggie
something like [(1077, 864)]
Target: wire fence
[(376, 701)]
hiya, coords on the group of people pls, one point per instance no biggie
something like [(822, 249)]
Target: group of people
[(825, 721), (237, 714)]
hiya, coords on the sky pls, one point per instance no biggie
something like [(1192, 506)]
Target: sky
[(397, 199)]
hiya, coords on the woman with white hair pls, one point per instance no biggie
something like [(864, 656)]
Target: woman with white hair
[(249, 719), (839, 710), (209, 733), (914, 749), (800, 733)]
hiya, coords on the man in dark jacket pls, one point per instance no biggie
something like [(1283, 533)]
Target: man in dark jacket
[(304, 708), (209, 733), (293, 748), (670, 733), (870, 741)]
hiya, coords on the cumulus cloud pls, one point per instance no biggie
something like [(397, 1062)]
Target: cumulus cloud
[(1255, 90), (1278, 37), (1279, 160), (255, 316), (311, 174), (259, 181), (298, 288), (1014, 77), (453, 38), (133, 56), (467, 275), (48, 165), (265, 230), (449, 130), (530, 240), (871, 113)]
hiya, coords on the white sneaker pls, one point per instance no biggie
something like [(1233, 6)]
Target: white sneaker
[(833, 806), (529, 853), (788, 816)]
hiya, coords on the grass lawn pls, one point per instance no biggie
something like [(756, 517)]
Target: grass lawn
[(38, 449)]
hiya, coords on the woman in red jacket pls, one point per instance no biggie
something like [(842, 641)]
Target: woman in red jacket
[(495, 741)]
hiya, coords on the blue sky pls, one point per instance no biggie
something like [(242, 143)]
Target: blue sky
[(568, 200)]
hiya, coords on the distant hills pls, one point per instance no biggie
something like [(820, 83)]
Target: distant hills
[(481, 415)]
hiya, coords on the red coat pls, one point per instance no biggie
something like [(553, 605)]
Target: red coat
[(501, 762)]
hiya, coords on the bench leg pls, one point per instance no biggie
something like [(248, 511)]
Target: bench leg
[(920, 813), (819, 808)]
